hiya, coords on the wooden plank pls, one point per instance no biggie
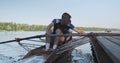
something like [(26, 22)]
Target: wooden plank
[(110, 48), (99, 55), (116, 37), (107, 34), (112, 39)]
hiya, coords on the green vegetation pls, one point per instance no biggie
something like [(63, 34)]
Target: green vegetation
[(10, 26)]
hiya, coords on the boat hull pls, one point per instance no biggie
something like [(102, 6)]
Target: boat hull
[(50, 56)]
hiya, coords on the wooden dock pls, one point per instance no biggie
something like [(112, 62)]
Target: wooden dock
[(106, 49)]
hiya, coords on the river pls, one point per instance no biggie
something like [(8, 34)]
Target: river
[(11, 52)]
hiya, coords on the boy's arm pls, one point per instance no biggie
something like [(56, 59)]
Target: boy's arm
[(79, 31), (49, 27)]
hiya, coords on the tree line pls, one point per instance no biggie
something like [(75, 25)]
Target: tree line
[(11, 26)]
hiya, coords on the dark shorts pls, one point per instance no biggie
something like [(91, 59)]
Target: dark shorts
[(64, 32), (60, 42), (67, 32)]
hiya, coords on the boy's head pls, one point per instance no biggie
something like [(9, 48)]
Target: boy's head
[(66, 15), (66, 18)]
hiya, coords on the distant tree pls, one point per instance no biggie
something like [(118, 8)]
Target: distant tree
[(11, 26)]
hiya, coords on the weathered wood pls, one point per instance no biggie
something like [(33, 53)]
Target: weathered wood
[(106, 48), (116, 37), (112, 39), (106, 34), (58, 58), (100, 56), (110, 48)]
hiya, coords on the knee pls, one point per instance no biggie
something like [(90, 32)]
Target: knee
[(49, 32), (58, 31)]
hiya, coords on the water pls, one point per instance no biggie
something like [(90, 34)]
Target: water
[(11, 52)]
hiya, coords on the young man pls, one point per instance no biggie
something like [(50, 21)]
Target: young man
[(60, 26)]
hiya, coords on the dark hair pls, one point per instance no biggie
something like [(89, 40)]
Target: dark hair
[(66, 15)]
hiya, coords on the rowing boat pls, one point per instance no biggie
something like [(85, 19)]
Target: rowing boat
[(63, 53)]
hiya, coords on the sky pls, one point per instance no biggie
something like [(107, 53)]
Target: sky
[(85, 13)]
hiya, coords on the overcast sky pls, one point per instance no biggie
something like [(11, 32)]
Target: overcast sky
[(85, 13)]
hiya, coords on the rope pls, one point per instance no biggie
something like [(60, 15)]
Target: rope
[(27, 49)]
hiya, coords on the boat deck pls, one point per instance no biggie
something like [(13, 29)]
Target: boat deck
[(106, 49)]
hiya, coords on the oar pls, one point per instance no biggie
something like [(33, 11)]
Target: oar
[(73, 34), (39, 36)]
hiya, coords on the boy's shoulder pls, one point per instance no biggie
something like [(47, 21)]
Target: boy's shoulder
[(56, 20)]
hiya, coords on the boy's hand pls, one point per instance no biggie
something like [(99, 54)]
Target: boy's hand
[(82, 32)]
